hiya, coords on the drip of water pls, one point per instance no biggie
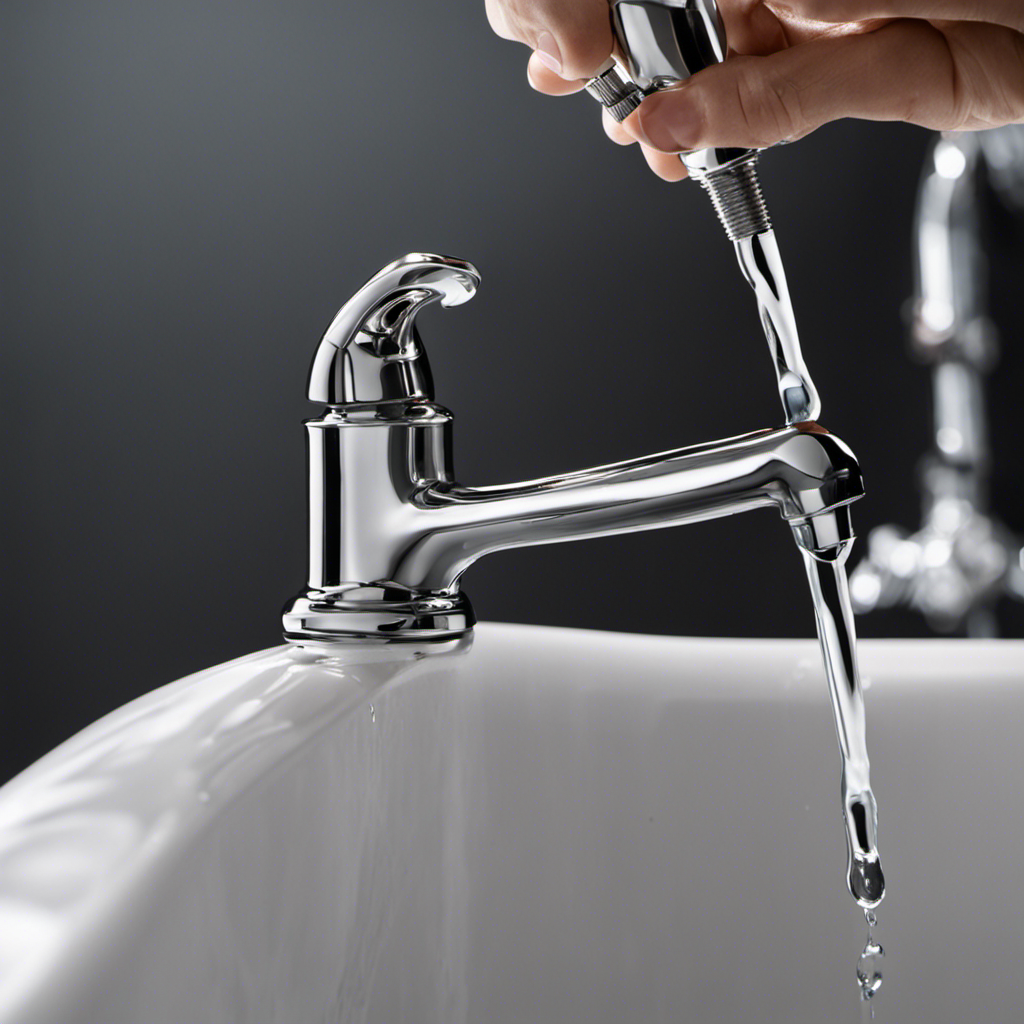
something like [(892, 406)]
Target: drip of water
[(761, 264), (869, 968), (830, 592)]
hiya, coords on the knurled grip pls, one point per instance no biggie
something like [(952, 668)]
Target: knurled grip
[(616, 93)]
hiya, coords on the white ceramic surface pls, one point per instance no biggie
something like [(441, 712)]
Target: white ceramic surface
[(552, 826)]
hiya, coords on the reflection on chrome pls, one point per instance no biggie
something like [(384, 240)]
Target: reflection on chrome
[(391, 531)]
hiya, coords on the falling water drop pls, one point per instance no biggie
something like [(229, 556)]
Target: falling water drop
[(869, 969)]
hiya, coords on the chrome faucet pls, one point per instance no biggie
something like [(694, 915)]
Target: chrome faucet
[(962, 559), (391, 532)]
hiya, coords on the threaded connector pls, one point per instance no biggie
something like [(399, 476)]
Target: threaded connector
[(617, 94), (735, 192)]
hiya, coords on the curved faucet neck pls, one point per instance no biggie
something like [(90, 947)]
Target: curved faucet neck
[(371, 352)]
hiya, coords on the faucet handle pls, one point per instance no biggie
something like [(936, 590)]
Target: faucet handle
[(371, 352)]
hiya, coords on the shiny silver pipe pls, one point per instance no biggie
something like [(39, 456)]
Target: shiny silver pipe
[(950, 327), (961, 560), (390, 530)]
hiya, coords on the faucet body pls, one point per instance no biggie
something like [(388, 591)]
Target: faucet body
[(962, 560), (391, 531)]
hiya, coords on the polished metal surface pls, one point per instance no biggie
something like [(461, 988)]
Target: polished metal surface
[(667, 41), (371, 352), (962, 560), (391, 531), (948, 310)]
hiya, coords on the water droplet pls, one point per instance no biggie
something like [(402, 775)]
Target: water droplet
[(867, 883), (869, 969), (373, 714), (870, 917)]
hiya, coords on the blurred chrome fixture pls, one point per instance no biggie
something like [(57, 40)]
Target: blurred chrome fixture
[(962, 560), (391, 532), (663, 43)]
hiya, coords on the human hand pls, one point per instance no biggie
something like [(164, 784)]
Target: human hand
[(794, 66)]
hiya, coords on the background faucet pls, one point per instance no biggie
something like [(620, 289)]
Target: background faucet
[(963, 560), (391, 532)]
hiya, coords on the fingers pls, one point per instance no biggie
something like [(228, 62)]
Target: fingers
[(666, 166), (906, 70), (615, 131), (1008, 13), (544, 80), (572, 38)]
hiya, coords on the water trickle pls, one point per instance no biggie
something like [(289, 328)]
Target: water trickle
[(833, 613), (869, 969), (761, 263)]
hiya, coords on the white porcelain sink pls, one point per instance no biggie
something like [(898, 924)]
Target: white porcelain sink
[(552, 826)]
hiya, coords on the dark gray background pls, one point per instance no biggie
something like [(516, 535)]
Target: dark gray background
[(191, 190)]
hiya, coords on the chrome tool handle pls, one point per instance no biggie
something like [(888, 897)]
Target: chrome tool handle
[(663, 43)]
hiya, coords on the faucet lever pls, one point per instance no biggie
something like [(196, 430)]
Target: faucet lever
[(371, 352)]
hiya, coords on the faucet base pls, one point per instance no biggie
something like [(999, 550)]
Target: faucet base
[(381, 613)]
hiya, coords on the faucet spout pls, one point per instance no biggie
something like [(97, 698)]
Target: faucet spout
[(802, 471)]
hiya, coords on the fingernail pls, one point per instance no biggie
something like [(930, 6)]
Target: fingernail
[(670, 121), (549, 53)]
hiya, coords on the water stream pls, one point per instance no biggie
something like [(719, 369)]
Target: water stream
[(830, 592), (761, 263)]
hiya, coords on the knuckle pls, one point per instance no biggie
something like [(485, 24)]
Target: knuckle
[(771, 109), (832, 10), (582, 30)]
